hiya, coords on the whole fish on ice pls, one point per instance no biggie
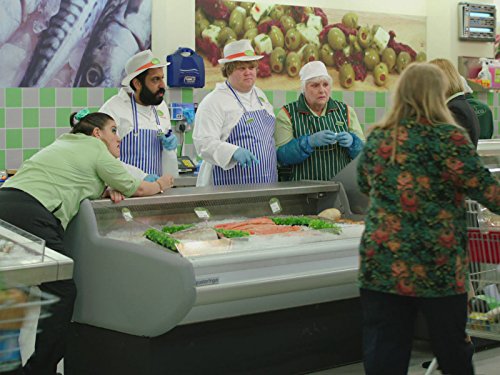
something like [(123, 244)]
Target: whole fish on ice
[(73, 22)]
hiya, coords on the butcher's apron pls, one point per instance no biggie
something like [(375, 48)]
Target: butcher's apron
[(254, 132), (326, 161), (142, 147)]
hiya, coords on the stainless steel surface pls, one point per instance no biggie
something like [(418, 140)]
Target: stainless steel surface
[(185, 180), (54, 267), (487, 147), (191, 194)]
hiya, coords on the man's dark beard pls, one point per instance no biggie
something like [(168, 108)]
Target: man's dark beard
[(147, 97)]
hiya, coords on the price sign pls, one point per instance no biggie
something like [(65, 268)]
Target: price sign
[(275, 205), (202, 213)]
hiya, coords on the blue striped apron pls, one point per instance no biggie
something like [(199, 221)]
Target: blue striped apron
[(254, 132), (142, 147)]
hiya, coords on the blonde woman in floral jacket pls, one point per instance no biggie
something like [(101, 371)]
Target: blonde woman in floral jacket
[(417, 167)]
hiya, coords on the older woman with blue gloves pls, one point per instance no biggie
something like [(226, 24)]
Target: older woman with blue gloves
[(317, 136)]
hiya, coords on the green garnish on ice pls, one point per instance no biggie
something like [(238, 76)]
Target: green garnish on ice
[(176, 228), (291, 220), (306, 221), (229, 233), (161, 238)]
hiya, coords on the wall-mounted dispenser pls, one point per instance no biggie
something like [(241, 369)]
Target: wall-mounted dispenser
[(477, 22)]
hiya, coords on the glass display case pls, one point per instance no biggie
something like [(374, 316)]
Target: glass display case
[(25, 260), (489, 150), (135, 287), (18, 246)]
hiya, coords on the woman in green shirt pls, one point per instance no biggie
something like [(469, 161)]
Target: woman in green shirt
[(417, 166), (45, 194)]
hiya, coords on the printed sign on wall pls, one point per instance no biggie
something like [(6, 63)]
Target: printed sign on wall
[(363, 51), (65, 43)]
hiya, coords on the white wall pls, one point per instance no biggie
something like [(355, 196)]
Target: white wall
[(442, 32), (173, 23)]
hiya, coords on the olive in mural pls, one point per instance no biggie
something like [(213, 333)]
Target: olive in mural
[(360, 49)]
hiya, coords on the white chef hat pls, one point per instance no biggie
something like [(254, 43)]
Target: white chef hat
[(140, 62), (239, 50)]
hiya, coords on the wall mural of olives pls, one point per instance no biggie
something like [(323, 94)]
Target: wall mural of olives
[(363, 51)]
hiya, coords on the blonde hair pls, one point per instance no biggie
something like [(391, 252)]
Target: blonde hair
[(419, 94), (228, 68), (455, 84)]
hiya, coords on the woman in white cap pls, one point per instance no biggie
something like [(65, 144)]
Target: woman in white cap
[(234, 125), (143, 119), (317, 136)]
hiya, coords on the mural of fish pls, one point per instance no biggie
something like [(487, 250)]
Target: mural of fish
[(74, 21), (12, 14), (123, 30)]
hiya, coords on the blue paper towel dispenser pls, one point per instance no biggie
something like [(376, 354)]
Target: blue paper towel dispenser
[(186, 69)]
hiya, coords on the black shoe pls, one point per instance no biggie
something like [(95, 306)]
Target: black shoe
[(469, 353)]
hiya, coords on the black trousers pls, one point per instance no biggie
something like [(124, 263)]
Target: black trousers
[(388, 324), (25, 212)]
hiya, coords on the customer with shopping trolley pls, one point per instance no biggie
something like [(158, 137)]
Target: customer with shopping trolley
[(417, 167)]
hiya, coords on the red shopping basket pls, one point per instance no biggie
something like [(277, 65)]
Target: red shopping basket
[(484, 247)]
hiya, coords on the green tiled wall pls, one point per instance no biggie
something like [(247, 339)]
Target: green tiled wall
[(32, 118)]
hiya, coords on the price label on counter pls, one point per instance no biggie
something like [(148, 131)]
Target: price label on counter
[(127, 215), (275, 205), (202, 213)]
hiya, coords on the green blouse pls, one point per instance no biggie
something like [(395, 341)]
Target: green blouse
[(71, 169), (415, 238)]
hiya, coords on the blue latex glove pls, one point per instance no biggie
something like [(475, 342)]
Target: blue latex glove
[(294, 152), (170, 142), (244, 157), (151, 177), (356, 147), (188, 114), (322, 138), (345, 139)]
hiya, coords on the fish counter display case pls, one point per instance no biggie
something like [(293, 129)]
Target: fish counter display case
[(277, 303)]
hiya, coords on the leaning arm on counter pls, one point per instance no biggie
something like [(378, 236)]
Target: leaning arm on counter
[(113, 172), (295, 151)]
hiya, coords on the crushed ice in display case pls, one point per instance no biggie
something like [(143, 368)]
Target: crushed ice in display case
[(19, 247)]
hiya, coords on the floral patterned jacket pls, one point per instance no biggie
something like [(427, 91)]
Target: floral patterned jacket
[(415, 238)]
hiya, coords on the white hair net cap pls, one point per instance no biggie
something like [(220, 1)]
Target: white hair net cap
[(313, 69)]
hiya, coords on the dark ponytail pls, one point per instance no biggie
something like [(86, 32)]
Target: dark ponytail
[(87, 123)]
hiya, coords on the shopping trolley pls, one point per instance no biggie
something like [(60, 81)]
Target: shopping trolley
[(484, 256), (14, 304)]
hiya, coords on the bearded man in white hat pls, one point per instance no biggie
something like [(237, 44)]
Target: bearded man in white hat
[(143, 120), (234, 125), (316, 136)]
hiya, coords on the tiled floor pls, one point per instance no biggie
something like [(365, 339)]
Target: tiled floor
[(486, 362)]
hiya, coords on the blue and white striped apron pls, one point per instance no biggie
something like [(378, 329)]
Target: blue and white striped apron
[(142, 147), (254, 132)]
